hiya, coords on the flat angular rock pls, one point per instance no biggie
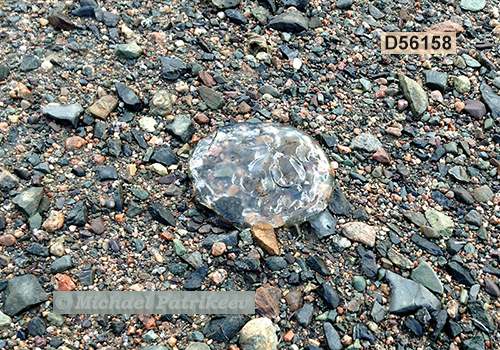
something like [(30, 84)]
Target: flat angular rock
[(425, 275), (62, 264), (473, 217), (225, 4), (366, 142), (462, 195), (375, 12), (416, 218), (427, 245), (172, 68), (164, 155), (491, 99), (265, 303), (8, 181), (482, 316), (436, 80), (103, 107), (211, 97), (236, 17), (24, 292), (106, 173), (414, 94), (108, 18), (194, 280), (4, 72), (29, 200), (338, 204), (408, 296), (68, 114), (225, 328), (438, 220), (483, 194), (332, 337), (472, 5), (78, 216), (475, 108), (161, 214), (318, 265), (229, 239), (460, 273), (59, 20), (292, 21), (323, 224), (300, 5), (304, 315), (182, 128), (5, 321), (360, 232), (129, 97), (30, 62), (329, 295)]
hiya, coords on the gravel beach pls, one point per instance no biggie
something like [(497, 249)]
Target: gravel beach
[(103, 102)]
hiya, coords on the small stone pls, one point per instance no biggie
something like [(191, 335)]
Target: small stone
[(69, 114), (29, 200), (20, 91), (59, 20), (382, 156), (4, 72), (8, 181), (54, 222), (106, 173), (461, 84), (74, 142), (463, 195), (360, 232), (473, 217), (267, 300), (29, 63), (292, 21), (36, 326), (266, 237), (129, 97), (304, 315), (128, 51), (294, 300), (258, 334), (329, 295), (343, 4), (211, 97), (7, 240), (491, 287), (5, 321), (147, 124), (98, 226), (414, 94), (57, 249), (399, 259), (332, 337), (78, 216), (436, 80), (359, 283), (162, 103), (63, 283), (472, 5), (103, 107), (172, 68), (438, 220), (446, 26), (62, 264), (475, 108), (483, 194), (24, 293), (182, 128), (366, 142), (460, 273)]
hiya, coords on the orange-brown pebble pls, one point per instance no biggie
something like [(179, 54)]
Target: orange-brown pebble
[(167, 236), (218, 248), (7, 240), (201, 119), (119, 218), (459, 106), (289, 336), (63, 283)]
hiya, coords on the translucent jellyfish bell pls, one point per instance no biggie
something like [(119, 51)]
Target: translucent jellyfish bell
[(261, 173)]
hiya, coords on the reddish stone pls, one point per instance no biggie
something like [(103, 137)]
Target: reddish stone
[(218, 248), (7, 240), (201, 119), (63, 283), (446, 26), (244, 108), (382, 156), (265, 302), (74, 142), (266, 237), (206, 78)]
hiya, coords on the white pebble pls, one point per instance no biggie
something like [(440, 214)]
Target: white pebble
[(297, 63)]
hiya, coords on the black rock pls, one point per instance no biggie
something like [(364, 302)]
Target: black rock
[(83, 11), (427, 245), (339, 205), (481, 316), (369, 265), (441, 319), (114, 147), (454, 246), (292, 21), (462, 195), (139, 138), (276, 263), (362, 332), (79, 172), (164, 155), (460, 273), (54, 342), (78, 216), (329, 295), (441, 199), (300, 5), (438, 153), (473, 217), (236, 17), (118, 327), (172, 68), (118, 198), (453, 329), (229, 239), (490, 99), (37, 249), (29, 63), (332, 337), (323, 224), (414, 326), (304, 315), (230, 208), (161, 214), (416, 218), (2, 223), (195, 279), (65, 114), (225, 328), (343, 4), (36, 326), (360, 215), (318, 265), (107, 173), (62, 264), (129, 97), (328, 140)]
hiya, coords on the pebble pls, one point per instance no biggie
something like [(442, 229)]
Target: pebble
[(360, 232), (258, 334)]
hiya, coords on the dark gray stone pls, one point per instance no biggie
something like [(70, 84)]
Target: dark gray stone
[(436, 80), (329, 295), (23, 293), (182, 128), (427, 245), (161, 214), (375, 12), (172, 68), (229, 239), (304, 315), (276, 263), (4, 72), (490, 99), (211, 97), (292, 22), (363, 333), (323, 224), (408, 296), (343, 4), (66, 114), (78, 216), (474, 218), (195, 279), (129, 97), (62, 264), (37, 249), (29, 200), (318, 265), (236, 17), (36, 326), (225, 328), (164, 155), (30, 62), (460, 273), (481, 316), (332, 337), (475, 108), (339, 205)]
